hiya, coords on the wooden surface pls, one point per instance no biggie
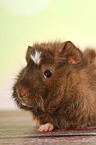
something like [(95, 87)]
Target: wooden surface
[(17, 127)]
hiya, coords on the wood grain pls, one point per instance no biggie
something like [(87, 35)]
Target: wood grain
[(18, 127)]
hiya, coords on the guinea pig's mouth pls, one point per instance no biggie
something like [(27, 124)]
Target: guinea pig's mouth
[(38, 104), (25, 105), (22, 104)]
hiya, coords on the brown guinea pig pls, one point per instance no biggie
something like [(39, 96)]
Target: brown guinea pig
[(58, 85)]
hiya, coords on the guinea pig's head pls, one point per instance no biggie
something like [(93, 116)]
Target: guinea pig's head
[(46, 65)]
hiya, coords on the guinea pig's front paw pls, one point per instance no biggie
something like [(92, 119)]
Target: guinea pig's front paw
[(46, 127)]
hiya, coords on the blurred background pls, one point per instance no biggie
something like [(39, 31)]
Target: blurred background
[(24, 22)]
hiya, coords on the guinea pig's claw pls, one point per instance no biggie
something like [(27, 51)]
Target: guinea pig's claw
[(46, 127)]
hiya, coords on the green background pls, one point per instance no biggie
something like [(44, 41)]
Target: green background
[(51, 20)]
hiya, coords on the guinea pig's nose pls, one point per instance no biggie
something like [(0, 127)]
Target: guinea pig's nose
[(21, 93)]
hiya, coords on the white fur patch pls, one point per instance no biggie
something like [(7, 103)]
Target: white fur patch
[(36, 57)]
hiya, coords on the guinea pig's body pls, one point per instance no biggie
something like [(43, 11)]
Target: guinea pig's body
[(58, 85)]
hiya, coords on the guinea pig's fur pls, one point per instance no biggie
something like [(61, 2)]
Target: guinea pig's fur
[(58, 85)]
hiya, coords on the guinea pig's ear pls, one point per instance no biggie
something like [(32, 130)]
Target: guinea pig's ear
[(70, 53), (28, 53)]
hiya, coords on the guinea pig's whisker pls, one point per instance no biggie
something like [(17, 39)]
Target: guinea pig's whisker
[(36, 103), (42, 103)]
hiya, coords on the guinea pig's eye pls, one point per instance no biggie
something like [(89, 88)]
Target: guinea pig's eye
[(47, 74)]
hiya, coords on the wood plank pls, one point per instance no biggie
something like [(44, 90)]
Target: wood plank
[(18, 124), (17, 127), (57, 133), (68, 132)]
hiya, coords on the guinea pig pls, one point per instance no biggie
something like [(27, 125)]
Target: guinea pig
[(58, 85)]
